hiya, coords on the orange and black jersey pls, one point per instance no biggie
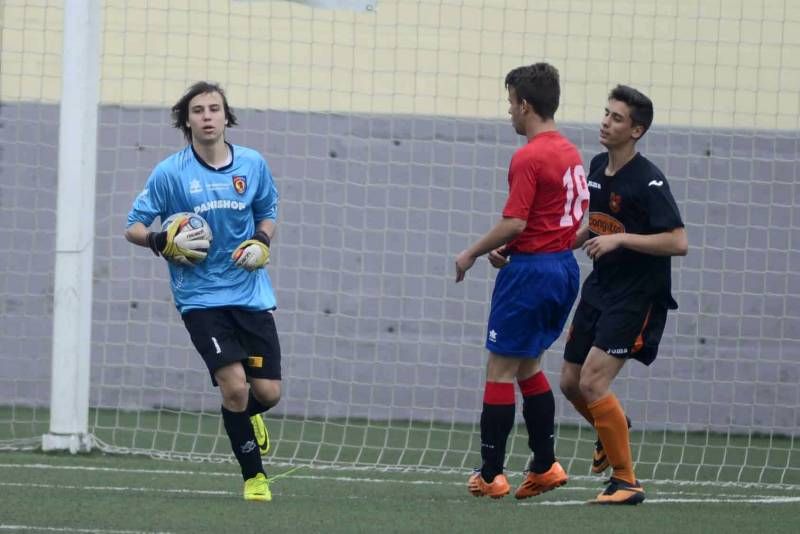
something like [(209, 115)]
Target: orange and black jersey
[(636, 200)]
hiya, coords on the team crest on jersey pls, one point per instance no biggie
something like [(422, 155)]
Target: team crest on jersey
[(240, 184), (615, 203)]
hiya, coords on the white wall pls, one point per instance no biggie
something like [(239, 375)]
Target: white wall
[(731, 63)]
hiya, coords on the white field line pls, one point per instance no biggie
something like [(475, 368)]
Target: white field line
[(128, 489), (33, 528), (125, 489), (594, 481), (710, 500), (118, 470)]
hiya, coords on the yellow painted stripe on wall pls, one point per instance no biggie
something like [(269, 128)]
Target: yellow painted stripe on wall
[(723, 63)]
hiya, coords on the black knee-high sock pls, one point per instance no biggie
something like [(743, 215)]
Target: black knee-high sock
[(497, 420), (538, 409), (254, 406), (243, 442)]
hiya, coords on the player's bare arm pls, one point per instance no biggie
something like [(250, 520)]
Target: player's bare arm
[(504, 231), (672, 243), (267, 226), (137, 234)]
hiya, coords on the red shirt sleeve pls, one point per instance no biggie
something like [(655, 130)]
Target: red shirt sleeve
[(521, 188)]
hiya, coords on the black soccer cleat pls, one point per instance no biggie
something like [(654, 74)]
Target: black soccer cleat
[(620, 492), (599, 458)]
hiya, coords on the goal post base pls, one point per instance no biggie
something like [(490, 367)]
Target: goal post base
[(74, 443)]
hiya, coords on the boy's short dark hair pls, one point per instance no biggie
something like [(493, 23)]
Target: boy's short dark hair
[(538, 85), (180, 111), (640, 105)]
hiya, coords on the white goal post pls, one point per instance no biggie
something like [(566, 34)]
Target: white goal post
[(74, 254)]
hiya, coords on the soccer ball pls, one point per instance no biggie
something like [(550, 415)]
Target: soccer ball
[(193, 222)]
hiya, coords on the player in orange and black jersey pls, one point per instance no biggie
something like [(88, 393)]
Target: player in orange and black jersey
[(634, 228), (636, 200)]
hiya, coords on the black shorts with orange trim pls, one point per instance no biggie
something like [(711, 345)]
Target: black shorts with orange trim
[(624, 330), (226, 335)]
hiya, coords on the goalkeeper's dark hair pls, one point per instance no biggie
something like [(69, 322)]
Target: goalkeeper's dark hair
[(538, 85), (640, 106), (180, 111)]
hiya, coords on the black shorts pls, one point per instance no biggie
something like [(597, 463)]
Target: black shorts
[(624, 330), (226, 335)]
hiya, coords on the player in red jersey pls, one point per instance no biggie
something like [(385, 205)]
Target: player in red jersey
[(634, 227), (536, 286)]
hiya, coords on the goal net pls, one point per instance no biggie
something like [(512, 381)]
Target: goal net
[(386, 130)]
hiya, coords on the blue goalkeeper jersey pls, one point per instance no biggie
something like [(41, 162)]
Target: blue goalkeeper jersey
[(233, 200)]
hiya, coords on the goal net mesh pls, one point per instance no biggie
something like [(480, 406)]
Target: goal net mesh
[(387, 133)]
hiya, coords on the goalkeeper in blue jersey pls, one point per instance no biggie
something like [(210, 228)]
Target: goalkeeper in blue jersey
[(223, 293)]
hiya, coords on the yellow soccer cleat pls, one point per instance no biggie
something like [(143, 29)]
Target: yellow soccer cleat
[(260, 430), (257, 489)]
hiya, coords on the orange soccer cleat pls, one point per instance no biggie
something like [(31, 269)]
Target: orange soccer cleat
[(538, 483), (496, 489)]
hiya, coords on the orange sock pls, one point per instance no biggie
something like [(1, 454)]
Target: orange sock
[(612, 427), (583, 409)]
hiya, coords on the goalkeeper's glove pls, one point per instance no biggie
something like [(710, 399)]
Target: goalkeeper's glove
[(254, 253), (184, 248)]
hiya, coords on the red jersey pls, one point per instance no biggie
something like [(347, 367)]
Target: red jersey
[(547, 188)]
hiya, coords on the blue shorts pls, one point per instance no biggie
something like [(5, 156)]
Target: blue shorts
[(532, 298)]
